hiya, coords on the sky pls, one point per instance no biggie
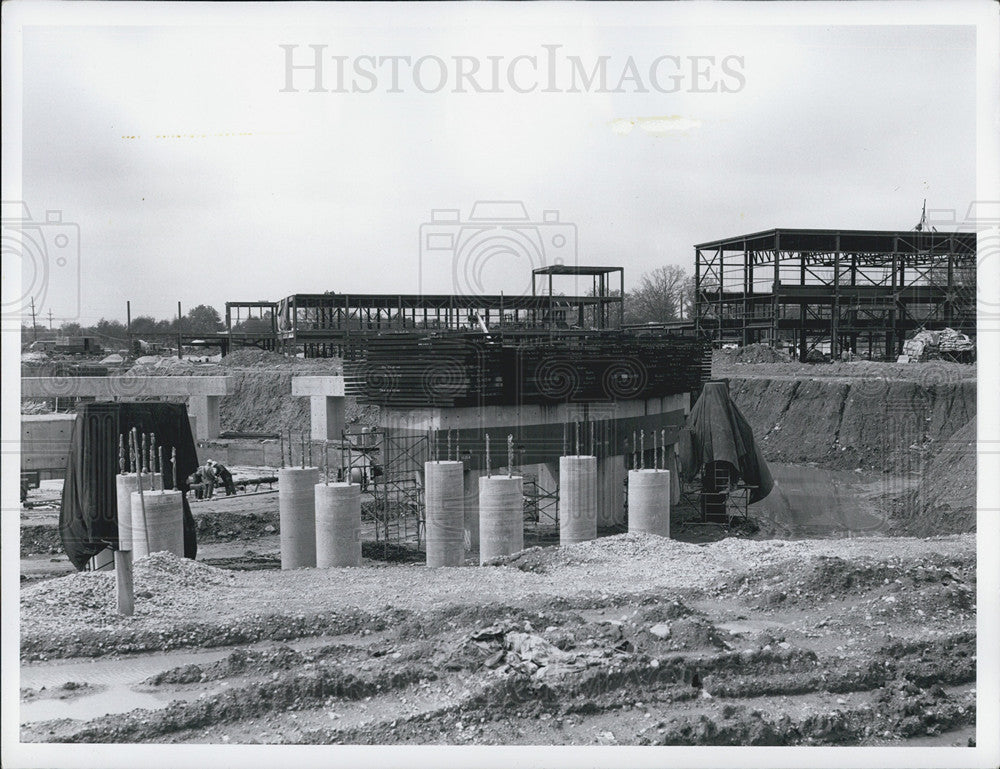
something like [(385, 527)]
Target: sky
[(186, 170)]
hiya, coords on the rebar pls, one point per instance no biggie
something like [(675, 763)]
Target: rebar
[(487, 455), (663, 449), (281, 443), (144, 447), (154, 461), (642, 449), (577, 425), (510, 456), (173, 466), (302, 443), (121, 454)]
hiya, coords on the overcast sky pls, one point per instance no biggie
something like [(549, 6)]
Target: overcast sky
[(193, 177)]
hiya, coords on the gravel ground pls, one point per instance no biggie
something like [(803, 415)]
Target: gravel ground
[(181, 602), (626, 640)]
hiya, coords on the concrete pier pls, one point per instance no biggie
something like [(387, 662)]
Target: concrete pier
[(501, 516), (157, 523), (577, 499), (297, 516), (649, 502), (124, 486), (338, 525), (326, 404), (444, 498)]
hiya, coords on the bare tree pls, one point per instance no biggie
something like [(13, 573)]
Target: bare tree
[(665, 293)]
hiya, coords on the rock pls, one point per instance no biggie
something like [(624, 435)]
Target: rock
[(269, 529), (660, 630)]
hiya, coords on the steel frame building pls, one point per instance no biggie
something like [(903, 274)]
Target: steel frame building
[(857, 290)]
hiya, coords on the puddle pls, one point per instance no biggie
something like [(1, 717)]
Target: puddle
[(117, 677), (811, 502)]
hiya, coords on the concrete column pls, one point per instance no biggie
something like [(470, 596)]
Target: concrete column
[(501, 516), (326, 417), (577, 499), (297, 516), (124, 486), (338, 525), (610, 491), (444, 497), (649, 502), (471, 515), (205, 409), (157, 522)]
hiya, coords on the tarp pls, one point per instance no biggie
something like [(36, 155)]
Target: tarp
[(88, 516), (718, 434)]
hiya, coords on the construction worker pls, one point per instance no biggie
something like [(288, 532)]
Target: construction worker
[(225, 477), (194, 482), (207, 479)]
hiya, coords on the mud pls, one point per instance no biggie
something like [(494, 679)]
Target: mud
[(832, 663)]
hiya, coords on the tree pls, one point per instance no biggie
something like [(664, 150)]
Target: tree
[(665, 293), (255, 324), (202, 319)]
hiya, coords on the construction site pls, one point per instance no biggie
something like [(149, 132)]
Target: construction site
[(486, 519)]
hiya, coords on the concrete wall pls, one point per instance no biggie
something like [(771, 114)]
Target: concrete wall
[(45, 441)]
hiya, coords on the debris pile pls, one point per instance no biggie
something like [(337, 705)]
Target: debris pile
[(935, 345)]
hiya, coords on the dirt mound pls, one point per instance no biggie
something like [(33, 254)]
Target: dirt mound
[(631, 546), (753, 353), (159, 578), (254, 358), (843, 423), (945, 500)]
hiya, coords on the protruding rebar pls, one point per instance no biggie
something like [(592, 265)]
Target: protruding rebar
[(565, 438), (510, 455), (121, 454), (642, 449), (656, 453), (154, 461), (487, 455), (326, 461), (302, 446), (448, 456), (311, 453), (577, 425), (173, 466), (635, 451), (434, 443), (145, 452), (592, 438), (663, 449)]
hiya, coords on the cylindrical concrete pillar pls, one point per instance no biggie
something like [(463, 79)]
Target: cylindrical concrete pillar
[(444, 497), (338, 525), (577, 499), (297, 516), (125, 484), (649, 501), (501, 516), (157, 522)]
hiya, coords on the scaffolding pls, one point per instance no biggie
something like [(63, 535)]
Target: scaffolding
[(834, 290)]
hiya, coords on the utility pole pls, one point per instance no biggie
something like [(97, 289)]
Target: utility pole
[(50, 320), (34, 329), (179, 354)]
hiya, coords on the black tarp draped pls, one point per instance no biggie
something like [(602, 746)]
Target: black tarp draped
[(718, 436), (88, 516)]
